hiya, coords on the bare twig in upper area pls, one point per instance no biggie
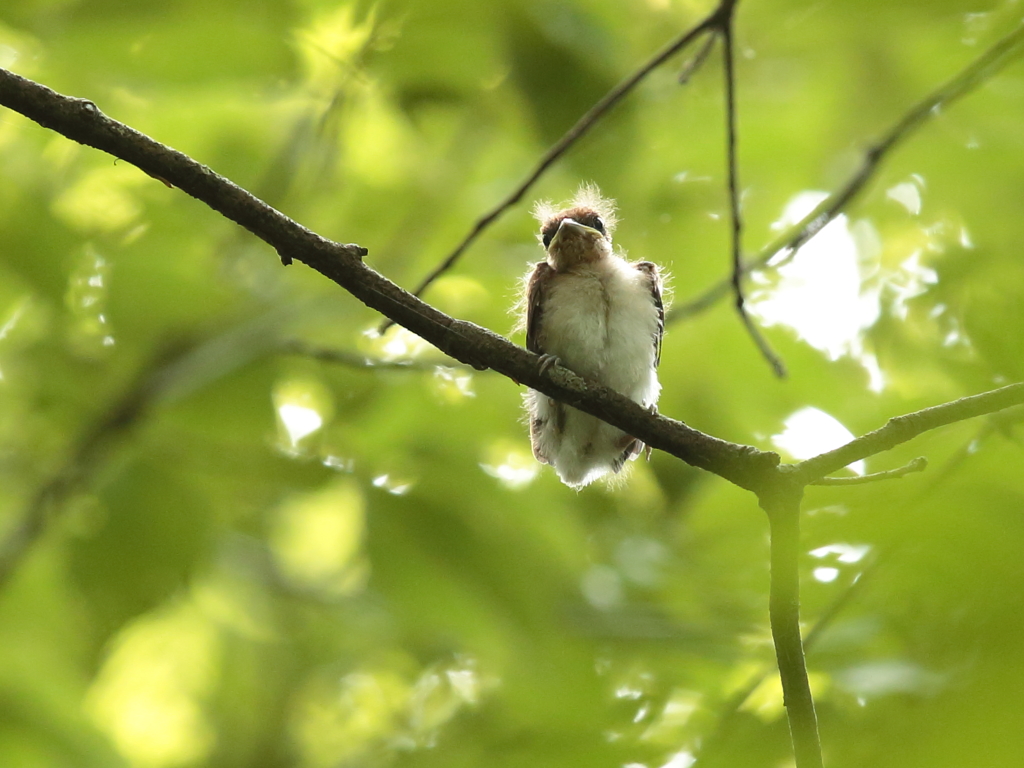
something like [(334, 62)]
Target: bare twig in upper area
[(734, 203), (976, 73), (575, 133)]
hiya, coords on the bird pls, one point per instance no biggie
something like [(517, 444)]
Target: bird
[(588, 308)]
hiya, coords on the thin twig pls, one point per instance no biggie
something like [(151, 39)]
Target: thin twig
[(903, 428), (917, 465), (179, 368), (690, 68), (573, 135), (734, 204), (87, 454), (358, 360), (990, 63)]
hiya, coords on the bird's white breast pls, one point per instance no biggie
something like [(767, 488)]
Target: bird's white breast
[(600, 319)]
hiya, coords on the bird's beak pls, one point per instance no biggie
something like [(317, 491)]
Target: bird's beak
[(571, 228)]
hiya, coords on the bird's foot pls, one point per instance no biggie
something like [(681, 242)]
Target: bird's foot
[(546, 361)]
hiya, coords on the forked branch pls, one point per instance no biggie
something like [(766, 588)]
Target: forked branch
[(904, 428)]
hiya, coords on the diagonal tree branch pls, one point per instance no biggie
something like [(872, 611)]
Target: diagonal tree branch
[(989, 64), (746, 466), (82, 121)]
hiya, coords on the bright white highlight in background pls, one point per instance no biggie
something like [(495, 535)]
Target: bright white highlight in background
[(682, 759), (908, 194), (826, 575), (392, 485), (811, 431), (299, 421), (303, 406), (819, 293), (844, 553), (512, 465), (830, 292)]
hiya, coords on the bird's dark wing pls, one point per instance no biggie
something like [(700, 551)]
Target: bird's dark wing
[(535, 295), (650, 271)]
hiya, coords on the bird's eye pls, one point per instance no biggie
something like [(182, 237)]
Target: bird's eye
[(599, 225), (546, 238)]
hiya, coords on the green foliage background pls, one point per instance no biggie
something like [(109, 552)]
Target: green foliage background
[(398, 587)]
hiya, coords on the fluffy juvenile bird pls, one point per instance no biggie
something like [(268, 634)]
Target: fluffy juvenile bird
[(599, 315)]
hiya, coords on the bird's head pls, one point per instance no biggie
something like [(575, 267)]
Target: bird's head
[(580, 233)]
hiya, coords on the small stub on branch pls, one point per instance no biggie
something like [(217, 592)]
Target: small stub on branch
[(88, 107)]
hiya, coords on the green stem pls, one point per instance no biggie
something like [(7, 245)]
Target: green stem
[(784, 609)]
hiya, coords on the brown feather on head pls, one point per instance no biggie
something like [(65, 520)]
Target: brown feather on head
[(586, 207)]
